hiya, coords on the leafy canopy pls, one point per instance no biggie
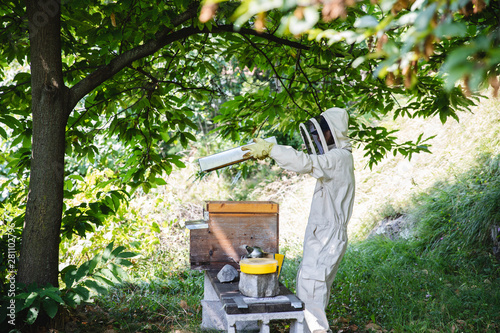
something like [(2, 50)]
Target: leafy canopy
[(241, 81), (457, 39)]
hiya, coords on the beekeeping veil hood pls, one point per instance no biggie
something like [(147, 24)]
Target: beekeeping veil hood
[(326, 132)]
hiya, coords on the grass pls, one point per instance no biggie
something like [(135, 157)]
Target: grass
[(156, 306), (392, 284)]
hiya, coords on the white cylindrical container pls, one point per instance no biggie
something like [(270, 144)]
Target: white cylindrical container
[(225, 158)]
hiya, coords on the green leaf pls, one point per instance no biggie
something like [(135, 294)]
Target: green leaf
[(84, 270), (105, 209), (146, 187), (450, 29), (107, 252), (127, 255), (50, 307), (94, 206), (55, 296), (72, 299), (189, 136), (123, 262), (155, 227), (3, 133), (176, 160), (67, 275), (116, 201), (117, 271), (30, 299), (108, 275), (117, 251), (423, 20), (93, 285), (104, 280), (160, 181), (366, 21), (82, 292), (92, 264), (210, 67), (32, 315)]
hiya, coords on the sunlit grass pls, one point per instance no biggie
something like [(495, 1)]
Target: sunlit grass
[(393, 285), (161, 305)]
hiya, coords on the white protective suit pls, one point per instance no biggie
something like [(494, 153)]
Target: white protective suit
[(325, 239)]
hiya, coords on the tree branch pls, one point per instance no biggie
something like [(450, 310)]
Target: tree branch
[(267, 36), (277, 75), (273, 68), (163, 38), (87, 109), (314, 93)]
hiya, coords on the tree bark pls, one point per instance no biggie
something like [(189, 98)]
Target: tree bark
[(39, 257)]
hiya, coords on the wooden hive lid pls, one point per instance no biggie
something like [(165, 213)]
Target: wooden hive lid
[(253, 207)]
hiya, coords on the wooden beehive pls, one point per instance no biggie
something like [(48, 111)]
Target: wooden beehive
[(231, 226)]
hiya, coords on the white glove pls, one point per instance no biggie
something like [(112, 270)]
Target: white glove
[(259, 150)]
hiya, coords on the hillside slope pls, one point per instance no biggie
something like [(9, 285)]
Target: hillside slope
[(386, 188)]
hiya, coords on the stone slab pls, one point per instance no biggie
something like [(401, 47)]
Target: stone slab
[(259, 285)]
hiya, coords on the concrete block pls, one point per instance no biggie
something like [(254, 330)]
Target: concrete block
[(213, 316), (259, 285), (263, 320), (209, 292)]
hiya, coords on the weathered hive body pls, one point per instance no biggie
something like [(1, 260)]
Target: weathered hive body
[(231, 226)]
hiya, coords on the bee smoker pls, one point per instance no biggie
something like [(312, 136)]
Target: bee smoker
[(226, 158)]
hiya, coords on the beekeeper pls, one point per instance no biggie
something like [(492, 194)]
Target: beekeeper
[(330, 161)]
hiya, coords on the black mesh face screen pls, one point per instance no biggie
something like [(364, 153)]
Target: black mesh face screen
[(316, 136), (307, 142), (326, 128)]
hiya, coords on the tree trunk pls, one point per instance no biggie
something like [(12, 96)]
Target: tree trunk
[(39, 256)]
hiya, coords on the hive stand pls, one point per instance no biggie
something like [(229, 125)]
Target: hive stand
[(231, 226), (226, 309)]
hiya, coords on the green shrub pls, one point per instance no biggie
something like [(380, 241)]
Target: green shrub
[(90, 278), (456, 219)]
